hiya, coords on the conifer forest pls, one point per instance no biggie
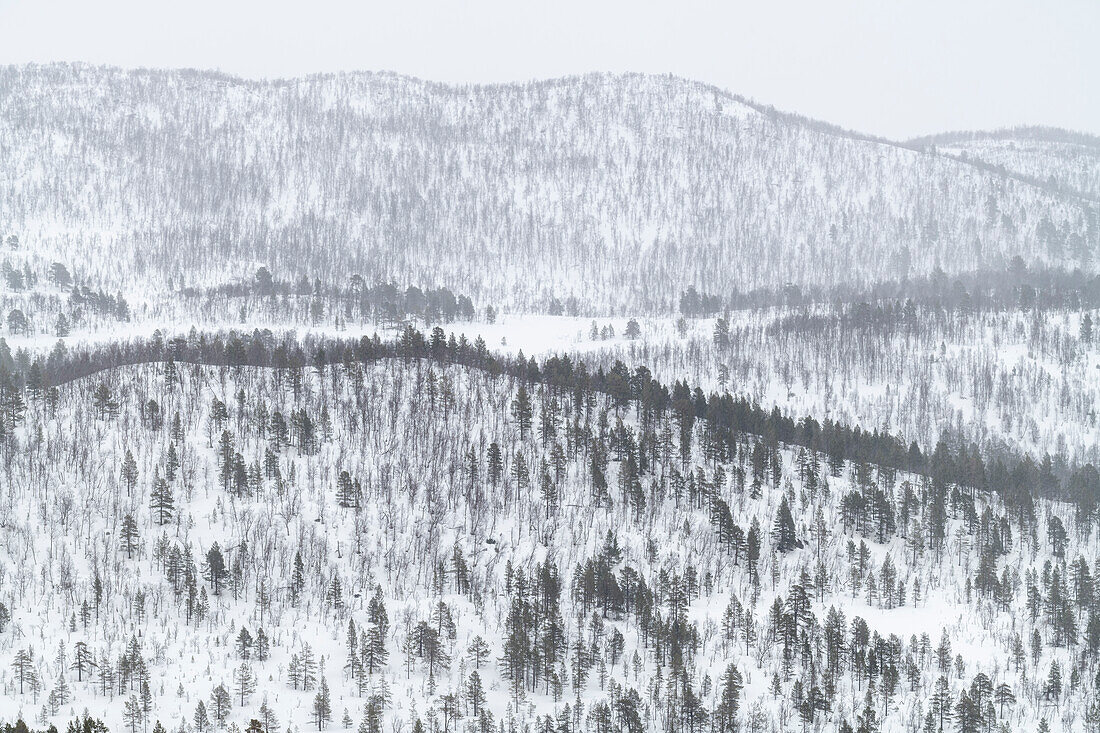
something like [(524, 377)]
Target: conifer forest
[(605, 404)]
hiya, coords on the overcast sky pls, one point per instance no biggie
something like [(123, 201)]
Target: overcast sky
[(898, 68)]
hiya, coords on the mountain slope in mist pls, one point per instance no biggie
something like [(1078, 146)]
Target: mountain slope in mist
[(618, 191)]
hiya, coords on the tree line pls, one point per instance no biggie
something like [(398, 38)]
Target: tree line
[(1018, 479), (983, 290)]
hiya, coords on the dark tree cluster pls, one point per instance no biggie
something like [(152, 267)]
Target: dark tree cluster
[(1017, 479)]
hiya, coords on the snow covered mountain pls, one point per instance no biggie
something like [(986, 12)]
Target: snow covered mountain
[(616, 191)]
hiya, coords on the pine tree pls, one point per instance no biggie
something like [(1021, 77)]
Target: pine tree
[(83, 661), (294, 671), (752, 551), (214, 568), (783, 532), (201, 719), (1053, 687), (335, 593), (12, 405), (131, 714), (348, 491), (981, 692), (308, 667), (226, 454), (968, 716), (1004, 696), (220, 704), (943, 653), (106, 675), (128, 535), (372, 717), (867, 720), (244, 644), (496, 464), (297, 578), (475, 693), (478, 651), (129, 472), (726, 714), (267, 717), (322, 705), (105, 405), (146, 696), (353, 650), (171, 463), (62, 693), (245, 682), (61, 326), (522, 411), (461, 569), (161, 501), (263, 647), (940, 705)]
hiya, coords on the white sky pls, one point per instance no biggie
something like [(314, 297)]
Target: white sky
[(898, 68)]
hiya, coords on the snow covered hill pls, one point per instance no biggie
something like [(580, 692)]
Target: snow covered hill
[(615, 191), (420, 543), (1064, 160), (723, 419)]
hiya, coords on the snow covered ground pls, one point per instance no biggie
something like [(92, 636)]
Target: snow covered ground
[(410, 434)]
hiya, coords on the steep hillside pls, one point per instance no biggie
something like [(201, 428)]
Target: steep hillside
[(616, 191)]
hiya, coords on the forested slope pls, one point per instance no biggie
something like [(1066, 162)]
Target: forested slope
[(408, 538), (1065, 160), (618, 191)]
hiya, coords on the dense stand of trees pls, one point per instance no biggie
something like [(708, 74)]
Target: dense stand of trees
[(1018, 479), (1016, 286), (354, 299)]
